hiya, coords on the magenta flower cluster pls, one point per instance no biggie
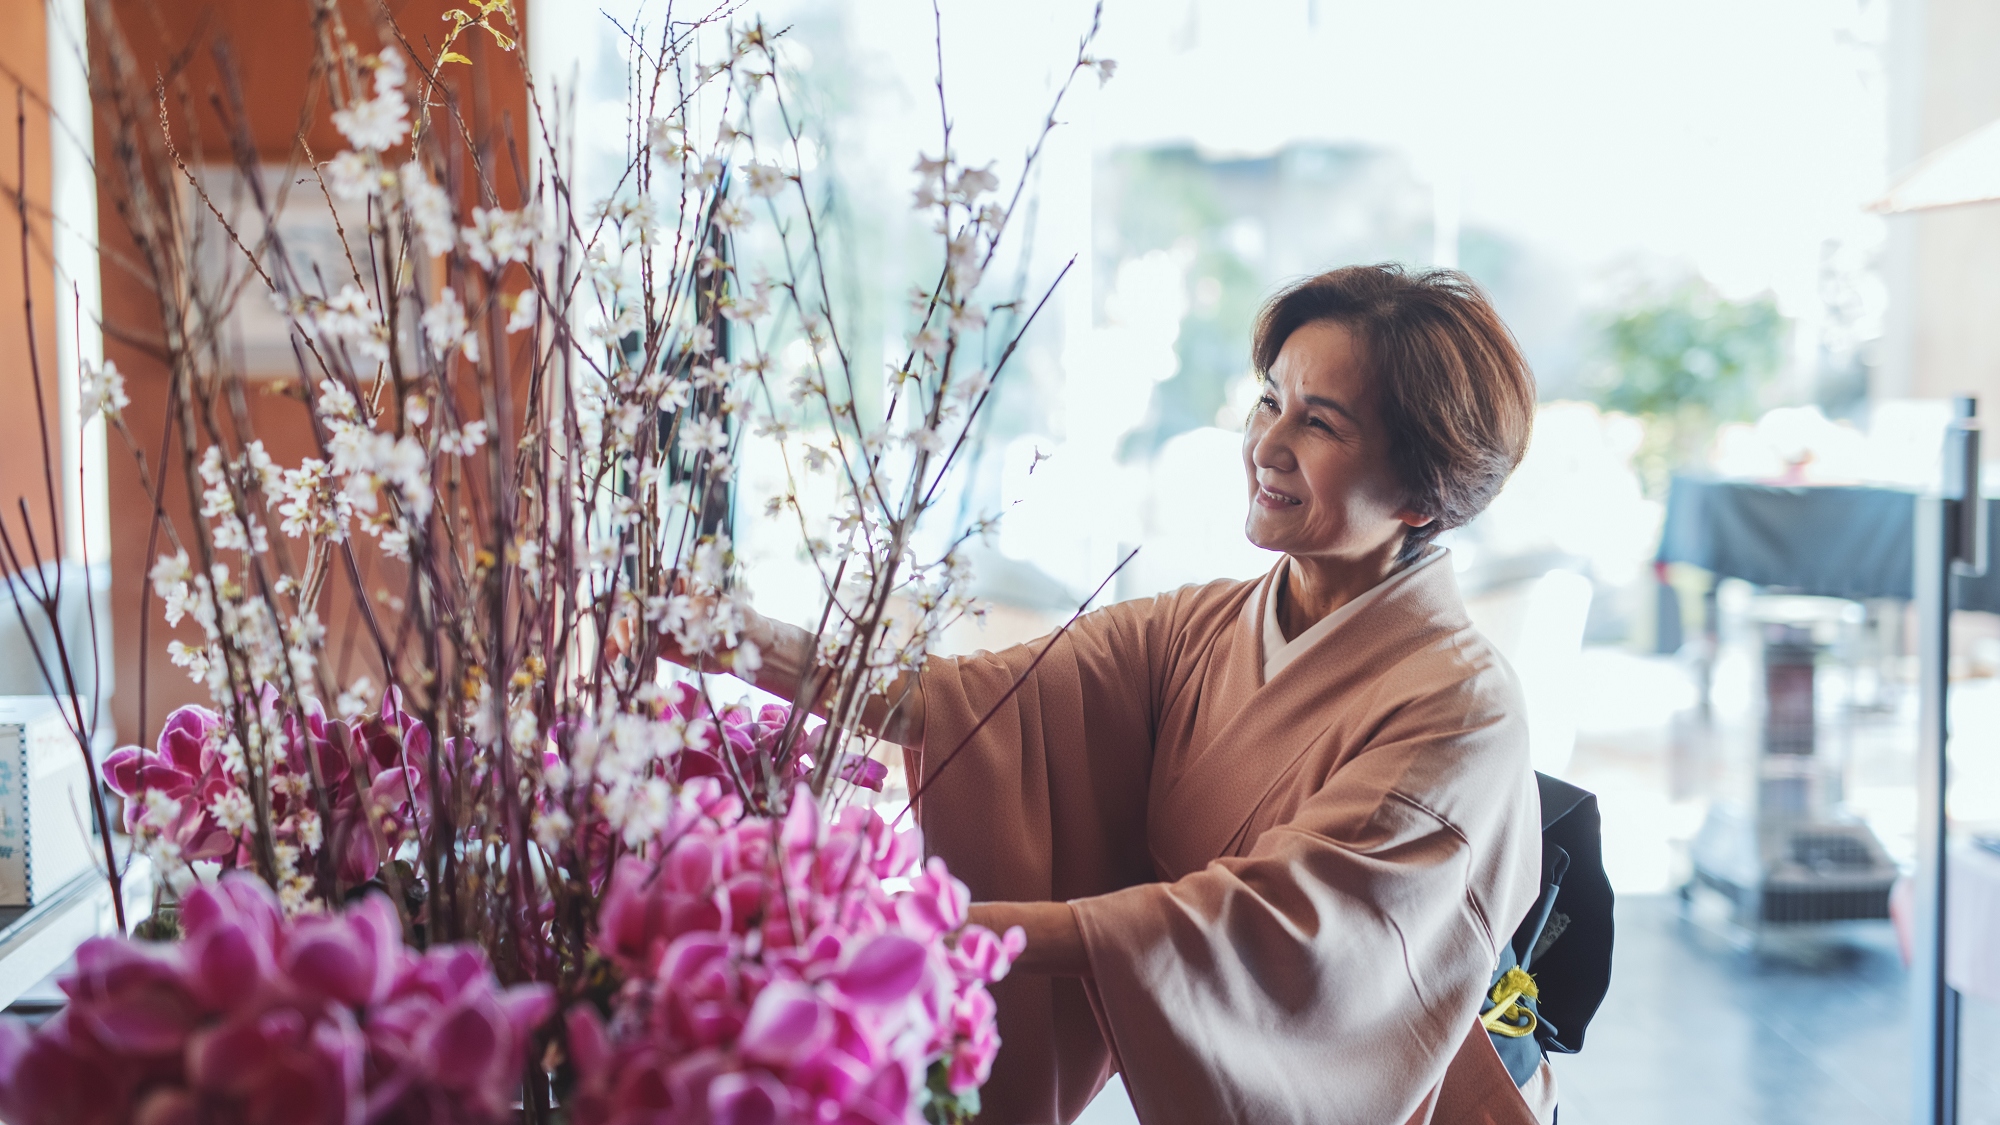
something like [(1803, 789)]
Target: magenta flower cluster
[(189, 768), (753, 739), (773, 975), (186, 768), (254, 1020)]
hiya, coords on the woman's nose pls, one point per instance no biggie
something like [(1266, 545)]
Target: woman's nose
[(1269, 448)]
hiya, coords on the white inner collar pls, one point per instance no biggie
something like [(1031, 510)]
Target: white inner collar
[(1279, 653)]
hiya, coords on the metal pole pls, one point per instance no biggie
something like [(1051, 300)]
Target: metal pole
[(1950, 540)]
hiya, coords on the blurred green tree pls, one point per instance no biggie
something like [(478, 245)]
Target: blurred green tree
[(1686, 361)]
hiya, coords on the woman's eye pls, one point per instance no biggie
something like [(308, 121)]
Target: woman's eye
[(1321, 424), (1267, 403)]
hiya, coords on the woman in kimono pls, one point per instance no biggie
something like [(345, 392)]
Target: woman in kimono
[(1266, 838)]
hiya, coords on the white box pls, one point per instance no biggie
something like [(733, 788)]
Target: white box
[(45, 830)]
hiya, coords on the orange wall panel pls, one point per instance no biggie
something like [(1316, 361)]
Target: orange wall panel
[(23, 84), (272, 45)]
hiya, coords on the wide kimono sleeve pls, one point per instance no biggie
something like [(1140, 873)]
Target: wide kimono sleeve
[(1331, 973), (1038, 793)]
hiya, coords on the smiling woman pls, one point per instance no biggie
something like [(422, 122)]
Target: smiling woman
[(1393, 408), (1266, 838)]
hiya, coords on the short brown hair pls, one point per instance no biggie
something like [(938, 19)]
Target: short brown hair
[(1455, 395)]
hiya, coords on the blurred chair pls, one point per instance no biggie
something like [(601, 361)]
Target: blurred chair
[(1536, 619)]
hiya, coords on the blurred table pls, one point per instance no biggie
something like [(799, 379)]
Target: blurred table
[(1838, 541)]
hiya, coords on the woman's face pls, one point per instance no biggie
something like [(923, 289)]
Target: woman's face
[(1321, 486)]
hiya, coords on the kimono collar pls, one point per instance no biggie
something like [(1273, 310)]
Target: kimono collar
[(1278, 652), (1263, 729)]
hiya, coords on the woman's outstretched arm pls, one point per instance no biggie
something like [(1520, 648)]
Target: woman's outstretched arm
[(896, 715), (1055, 941)]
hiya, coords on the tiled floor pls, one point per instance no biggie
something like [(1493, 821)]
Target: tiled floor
[(1805, 1030)]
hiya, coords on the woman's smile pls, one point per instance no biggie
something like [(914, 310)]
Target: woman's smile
[(1274, 498)]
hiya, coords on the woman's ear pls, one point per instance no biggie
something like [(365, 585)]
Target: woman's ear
[(1412, 519)]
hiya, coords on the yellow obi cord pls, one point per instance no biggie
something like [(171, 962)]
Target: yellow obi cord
[(1508, 1016)]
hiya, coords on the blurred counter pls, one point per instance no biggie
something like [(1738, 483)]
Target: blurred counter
[(1839, 541)]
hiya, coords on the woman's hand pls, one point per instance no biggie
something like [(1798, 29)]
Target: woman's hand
[(786, 660), (1055, 942)]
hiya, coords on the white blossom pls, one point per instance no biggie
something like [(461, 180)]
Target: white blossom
[(930, 181), (974, 182), (233, 811), (396, 544), (349, 318), (308, 504), (371, 459), (967, 317), (637, 218), (730, 215), (336, 402), (261, 465), (704, 435), (168, 571), (239, 534), (764, 180), (352, 177), (711, 562), (497, 237), (102, 392), (216, 499), (430, 210), (159, 811), (194, 659), (479, 716), (379, 122), (962, 262), (310, 832), (524, 731), (445, 327), (710, 376), (552, 826), (522, 311), (181, 600), (528, 557), (664, 136), (464, 442), (355, 702), (600, 554), (753, 306)]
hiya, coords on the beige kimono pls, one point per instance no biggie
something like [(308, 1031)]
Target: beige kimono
[(1292, 893)]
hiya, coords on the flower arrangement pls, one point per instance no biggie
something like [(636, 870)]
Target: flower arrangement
[(254, 1017), (517, 867), (771, 976)]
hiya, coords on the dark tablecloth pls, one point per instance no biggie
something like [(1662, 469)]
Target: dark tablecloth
[(1834, 541)]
